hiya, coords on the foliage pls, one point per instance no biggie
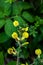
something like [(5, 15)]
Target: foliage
[(28, 14)]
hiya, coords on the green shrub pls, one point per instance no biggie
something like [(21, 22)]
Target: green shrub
[(29, 15)]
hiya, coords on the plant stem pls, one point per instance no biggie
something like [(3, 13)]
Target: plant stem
[(18, 59), (18, 53)]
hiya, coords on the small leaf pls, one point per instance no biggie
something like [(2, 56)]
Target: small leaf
[(1, 58), (28, 17), (4, 8), (41, 29), (9, 28), (25, 53), (2, 22), (7, 9), (1, 14), (40, 20), (19, 6), (3, 37)]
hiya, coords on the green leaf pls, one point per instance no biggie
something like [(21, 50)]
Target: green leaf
[(9, 28), (33, 31), (19, 6), (7, 9), (26, 5), (1, 14), (6, 44), (4, 8), (41, 8), (1, 58), (2, 22), (16, 9), (3, 37), (10, 1), (41, 56), (41, 29), (12, 63), (40, 20), (28, 17), (24, 53)]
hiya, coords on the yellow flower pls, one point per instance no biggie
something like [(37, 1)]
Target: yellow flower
[(10, 51), (25, 29), (25, 43), (25, 35), (16, 23), (14, 35), (38, 51)]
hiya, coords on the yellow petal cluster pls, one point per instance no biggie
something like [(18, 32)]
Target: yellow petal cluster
[(38, 51), (16, 23), (14, 35), (25, 35), (25, 29), (11, 51)]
